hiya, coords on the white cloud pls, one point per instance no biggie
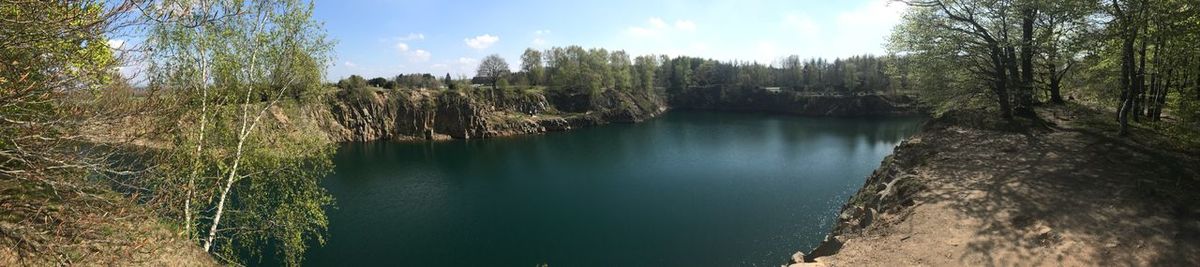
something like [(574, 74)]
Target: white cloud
[(116, 43), (539, 38), (642, 32), (460, 67), (875, 13), (657, 27), (467, 65), (419, 56), (412, 36), (766, 52), (481, 42), (658, 23), (864, 28), (685, 25), (349, 64)]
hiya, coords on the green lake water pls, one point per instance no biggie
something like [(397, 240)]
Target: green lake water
[(684, 189)]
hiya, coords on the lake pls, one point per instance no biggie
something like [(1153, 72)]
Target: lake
[(687, 188)]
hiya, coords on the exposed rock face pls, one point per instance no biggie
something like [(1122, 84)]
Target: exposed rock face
[(422, 114), (788, 102), (888, 189)]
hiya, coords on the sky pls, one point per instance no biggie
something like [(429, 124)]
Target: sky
[(383, 38)]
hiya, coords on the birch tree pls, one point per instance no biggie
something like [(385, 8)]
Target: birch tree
[(240, 181)]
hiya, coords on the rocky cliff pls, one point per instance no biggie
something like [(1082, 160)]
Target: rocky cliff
[(728, 98), (364, 115)]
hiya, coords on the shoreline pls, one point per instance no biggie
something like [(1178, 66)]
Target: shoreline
[(968, 190), (426, 115)]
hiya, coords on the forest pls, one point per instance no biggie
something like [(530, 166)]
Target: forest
[(1136, 58), (576, 70)]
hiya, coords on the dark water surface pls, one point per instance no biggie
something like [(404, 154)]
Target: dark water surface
[(688, 188)]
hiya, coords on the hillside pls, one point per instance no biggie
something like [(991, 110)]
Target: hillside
[(969, 190)]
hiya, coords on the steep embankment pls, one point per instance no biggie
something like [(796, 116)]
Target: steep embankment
[(725, 98), (365, 115), (971, 191), (425, 114)]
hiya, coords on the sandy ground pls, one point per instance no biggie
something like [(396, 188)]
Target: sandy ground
[(1071, 195)]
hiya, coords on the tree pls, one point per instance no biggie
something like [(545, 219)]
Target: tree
[(531, 65), (448, 82), (621, 70), (243, 187), (681, 75), (55, 65), (352, 82), (49, 49), (975, 32), (1066, 32), (645, 67), (493, 67), (377, 82)]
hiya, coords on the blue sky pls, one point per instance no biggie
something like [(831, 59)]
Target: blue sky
[(389, 37)]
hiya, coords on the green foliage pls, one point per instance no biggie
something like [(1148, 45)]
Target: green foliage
[(503, 84), (493, 67), (377, 82), (233, 177), (417, 81), (532, 67), (283, 202), (354, 81), (621, 71), (48, 49), (1133, 56), (644, 69)]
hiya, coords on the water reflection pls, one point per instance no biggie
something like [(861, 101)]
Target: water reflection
[(690, 188)]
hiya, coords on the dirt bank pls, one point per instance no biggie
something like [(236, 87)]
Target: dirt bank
[(971, 191), (85, 226)]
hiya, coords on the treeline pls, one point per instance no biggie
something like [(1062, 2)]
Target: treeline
[(402, 81), (576, 70), (1140, 57), (855, 75)]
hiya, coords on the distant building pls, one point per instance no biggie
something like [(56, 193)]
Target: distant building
[(480, 80), (773, 89)]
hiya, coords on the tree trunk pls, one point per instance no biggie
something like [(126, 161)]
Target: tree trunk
[(1055, 79), (1001, 81), (212, 230), (1160, 96), (1015, 85), (1126, 71), (1025, 98), (1139, 86)]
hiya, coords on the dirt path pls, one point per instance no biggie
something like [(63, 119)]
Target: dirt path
[(1070, 195)]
